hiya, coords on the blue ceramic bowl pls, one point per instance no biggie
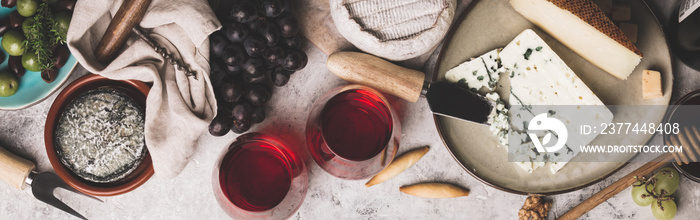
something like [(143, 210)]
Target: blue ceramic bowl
[(32, 89)]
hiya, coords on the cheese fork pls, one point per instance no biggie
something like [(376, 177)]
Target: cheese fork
[(19, 172)]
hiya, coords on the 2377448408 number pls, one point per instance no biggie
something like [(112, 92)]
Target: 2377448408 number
[(639, 128)]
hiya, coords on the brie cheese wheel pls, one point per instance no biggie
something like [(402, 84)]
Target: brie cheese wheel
[(393, 29), (585, 29)]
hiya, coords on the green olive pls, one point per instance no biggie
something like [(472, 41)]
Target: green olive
[(26, 24), (9, 83), (30, 61), (62, 22), (12, 42), (27, 8)]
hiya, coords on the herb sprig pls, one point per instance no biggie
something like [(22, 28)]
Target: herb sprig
[(42, 36)]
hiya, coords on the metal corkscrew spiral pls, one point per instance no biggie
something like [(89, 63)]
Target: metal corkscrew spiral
[(169, 57)]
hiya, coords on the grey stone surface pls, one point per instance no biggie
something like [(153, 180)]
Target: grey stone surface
[(190, 196)]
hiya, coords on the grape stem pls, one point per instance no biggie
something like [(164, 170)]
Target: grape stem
[(645, 181), (659, 200)]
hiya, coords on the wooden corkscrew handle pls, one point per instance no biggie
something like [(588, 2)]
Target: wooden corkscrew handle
[(128, 16)]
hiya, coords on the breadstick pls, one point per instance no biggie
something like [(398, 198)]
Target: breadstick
[(434, 190), (397, 166)]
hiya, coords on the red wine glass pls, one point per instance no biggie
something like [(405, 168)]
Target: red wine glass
[(260, 177), (352, 132)]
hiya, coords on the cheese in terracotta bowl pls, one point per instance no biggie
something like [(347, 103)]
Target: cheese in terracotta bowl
[(100, 135), (95, 137)]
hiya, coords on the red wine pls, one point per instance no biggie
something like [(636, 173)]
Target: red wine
[(352, 133), (255, 176), (356, 125)]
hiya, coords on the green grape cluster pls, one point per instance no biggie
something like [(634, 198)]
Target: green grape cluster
[(656, 191)]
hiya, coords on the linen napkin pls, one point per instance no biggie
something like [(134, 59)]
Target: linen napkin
[(178, 107)]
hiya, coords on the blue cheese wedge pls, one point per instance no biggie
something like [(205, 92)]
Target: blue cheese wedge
[(483, 71), (499, 120), (527, 158), (538, 77)]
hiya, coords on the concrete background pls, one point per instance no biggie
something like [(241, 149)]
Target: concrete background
[(189, 196)]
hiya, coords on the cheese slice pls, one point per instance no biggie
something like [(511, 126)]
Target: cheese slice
[(540, 79), (651, 84), (585, 29)]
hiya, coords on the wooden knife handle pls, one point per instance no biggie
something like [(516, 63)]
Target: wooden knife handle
[(128, 16), (14, 169), (615, 188), (372, 71)]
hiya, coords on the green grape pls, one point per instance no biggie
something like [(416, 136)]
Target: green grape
[(641, 197), (669, 209), (667, 179)]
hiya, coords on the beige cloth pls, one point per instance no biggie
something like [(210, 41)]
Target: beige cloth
[(178, 108)]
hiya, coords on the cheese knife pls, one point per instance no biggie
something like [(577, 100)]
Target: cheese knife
[(443, 98)]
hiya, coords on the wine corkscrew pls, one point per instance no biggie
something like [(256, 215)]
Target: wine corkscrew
[(169, 57), (125, 22)]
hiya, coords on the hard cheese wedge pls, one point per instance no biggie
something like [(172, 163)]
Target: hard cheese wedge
[(585, 29), (539, 78)]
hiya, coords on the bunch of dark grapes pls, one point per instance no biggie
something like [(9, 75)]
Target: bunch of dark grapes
[(257, 47)]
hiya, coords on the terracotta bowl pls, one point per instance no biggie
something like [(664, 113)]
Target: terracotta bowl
[(137, 91)]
